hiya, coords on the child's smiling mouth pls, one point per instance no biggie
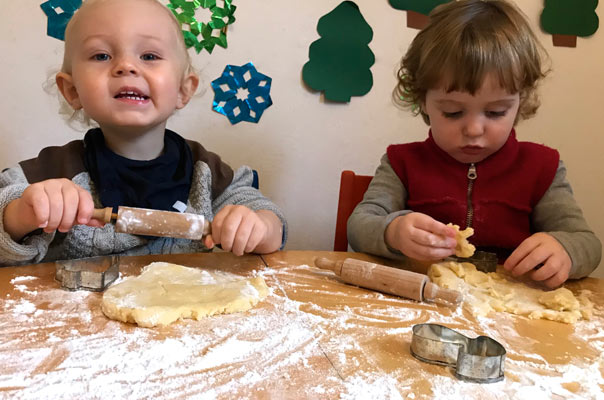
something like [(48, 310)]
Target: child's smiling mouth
[(131, 95)]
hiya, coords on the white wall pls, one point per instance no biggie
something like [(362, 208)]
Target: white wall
[(301, 144)]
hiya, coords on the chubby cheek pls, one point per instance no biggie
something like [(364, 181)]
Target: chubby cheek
[(445, 133)]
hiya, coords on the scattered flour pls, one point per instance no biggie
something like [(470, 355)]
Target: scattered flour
[(57, 344)]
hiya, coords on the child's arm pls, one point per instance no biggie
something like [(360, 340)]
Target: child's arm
[(54, 204), (381, 225), (564, 244)]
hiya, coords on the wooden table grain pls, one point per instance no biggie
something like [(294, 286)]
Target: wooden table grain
[(313, 337)]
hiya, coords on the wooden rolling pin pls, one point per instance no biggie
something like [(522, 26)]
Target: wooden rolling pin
[(144, 221), (389, 280)]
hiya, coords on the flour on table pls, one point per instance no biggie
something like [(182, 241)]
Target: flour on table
[(164, 293), (487, 292)]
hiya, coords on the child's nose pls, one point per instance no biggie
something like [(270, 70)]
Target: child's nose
[(125, 66), (473, 127)]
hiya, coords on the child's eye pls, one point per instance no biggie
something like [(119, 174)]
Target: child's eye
[(496, 114), (453, 115), (101, 57), (149, 57)]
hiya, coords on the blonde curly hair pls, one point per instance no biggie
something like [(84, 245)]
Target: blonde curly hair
[(464, 42)]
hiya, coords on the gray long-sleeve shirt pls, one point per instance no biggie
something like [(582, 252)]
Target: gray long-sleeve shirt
[(213, 185), (557, 213)]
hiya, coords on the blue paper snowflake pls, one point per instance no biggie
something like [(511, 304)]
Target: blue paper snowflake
[(236, 80), (59, 13)]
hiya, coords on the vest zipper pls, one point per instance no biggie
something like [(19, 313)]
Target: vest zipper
[(471, 178)]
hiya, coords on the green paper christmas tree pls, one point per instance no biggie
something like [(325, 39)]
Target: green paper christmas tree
[(417, 10), (567, 19), (340, 60)]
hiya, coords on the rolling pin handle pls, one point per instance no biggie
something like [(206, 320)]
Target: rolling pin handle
[(104, 214), (324, 263), (434, 293)]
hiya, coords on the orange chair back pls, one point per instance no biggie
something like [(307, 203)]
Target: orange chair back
[(352, 189)]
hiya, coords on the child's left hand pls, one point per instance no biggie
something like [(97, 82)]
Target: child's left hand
[(241, 230), (543, 257)]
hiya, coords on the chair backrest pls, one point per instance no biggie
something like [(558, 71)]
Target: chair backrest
[(352, 189)]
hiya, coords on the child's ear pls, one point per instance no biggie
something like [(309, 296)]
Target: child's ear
[(187, 89), (68, 90)]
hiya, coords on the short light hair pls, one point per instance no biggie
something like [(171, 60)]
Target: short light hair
[(464, 42)]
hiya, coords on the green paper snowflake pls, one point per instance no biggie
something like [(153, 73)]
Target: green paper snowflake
[(203, 35)]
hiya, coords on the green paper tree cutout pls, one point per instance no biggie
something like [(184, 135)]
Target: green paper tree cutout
[(417, 10), (339, 62), (567, 19)]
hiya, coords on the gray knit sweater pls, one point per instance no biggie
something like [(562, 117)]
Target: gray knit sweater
[(557, 213), (214, 185)]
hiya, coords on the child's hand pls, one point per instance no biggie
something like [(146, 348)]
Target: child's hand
[(421, 237), (543, 257), (241, 230), (51, 204)]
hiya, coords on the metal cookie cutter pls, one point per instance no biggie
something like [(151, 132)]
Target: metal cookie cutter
[(479, 360), (93, 273)]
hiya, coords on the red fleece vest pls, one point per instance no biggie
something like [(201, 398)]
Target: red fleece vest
[(508, 185)]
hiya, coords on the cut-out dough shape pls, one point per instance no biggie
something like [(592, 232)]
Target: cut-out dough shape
[(164, 293), (463, 248)]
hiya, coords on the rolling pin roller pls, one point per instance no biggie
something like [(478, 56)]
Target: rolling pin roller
[(143, 221), (389, 280)]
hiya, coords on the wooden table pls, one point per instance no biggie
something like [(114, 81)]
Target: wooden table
[(311, 338)]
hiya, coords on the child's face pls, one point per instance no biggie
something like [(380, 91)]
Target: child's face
[(126, 64), (471, 128)]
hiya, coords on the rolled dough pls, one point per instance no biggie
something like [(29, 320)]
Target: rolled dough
[(487, 292), (165, 292)]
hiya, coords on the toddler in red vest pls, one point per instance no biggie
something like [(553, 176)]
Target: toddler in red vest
[(472, 74)]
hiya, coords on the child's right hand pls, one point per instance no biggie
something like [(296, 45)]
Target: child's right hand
[(53, 204), (421, 237)]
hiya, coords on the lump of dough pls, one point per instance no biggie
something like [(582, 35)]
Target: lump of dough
[(463, 247), (165, 292), (560, 299), (484, 293)]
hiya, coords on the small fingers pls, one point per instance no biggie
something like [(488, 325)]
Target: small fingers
[(257, 236), (85, 206), (55, 209), (558, 279), (208, 241), (228, 230), (71, 199), (429, 239), (525, 258), (438, 229), (545, 270), (242, 235), (37, 199)]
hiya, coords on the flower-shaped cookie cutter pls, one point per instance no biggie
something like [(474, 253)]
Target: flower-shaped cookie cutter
[(94, 273), (479, 360)]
